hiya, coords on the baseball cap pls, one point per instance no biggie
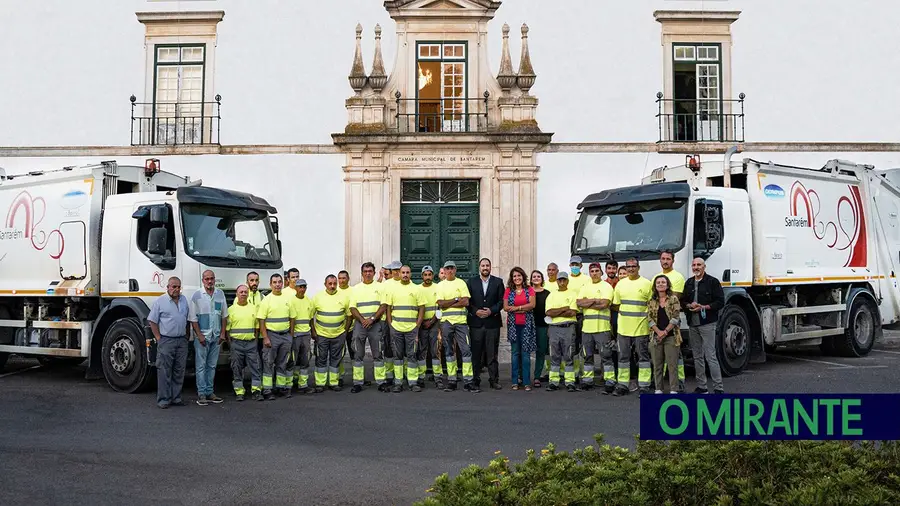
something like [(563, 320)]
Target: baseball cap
[(395, 265), (562, 275), (300, 282), (575, 260), (450, 263), (427, 268)]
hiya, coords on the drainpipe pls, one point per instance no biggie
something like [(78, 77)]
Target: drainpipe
[(726, 166)]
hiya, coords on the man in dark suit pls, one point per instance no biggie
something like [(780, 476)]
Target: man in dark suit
[(484, 322)]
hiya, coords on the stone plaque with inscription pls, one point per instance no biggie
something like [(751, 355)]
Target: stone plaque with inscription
[(442, 161)]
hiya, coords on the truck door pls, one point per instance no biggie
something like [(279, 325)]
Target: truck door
[(153, 259)]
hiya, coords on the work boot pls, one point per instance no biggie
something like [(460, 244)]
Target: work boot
[(337, 388), (288, 392), (320, 390), (608, 389), (257, 396), (439, 384), (620, 390), (215, 399), (416, 388), (341, 382), (421, 383), (718, 391), (450, 387), (239, 397), (587, 386), (552, 387), (367, 383), (356, 389), (571, 388), (699, 390), (396, 389), (202, 401), (643, 390)]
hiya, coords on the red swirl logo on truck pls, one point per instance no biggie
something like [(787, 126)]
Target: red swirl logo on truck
[(34, 210), (807, 206)]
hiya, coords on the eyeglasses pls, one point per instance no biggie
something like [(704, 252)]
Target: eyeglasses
[(631, 266)]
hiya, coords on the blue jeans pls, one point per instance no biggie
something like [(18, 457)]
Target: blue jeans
[(521, 360), (205, 360)]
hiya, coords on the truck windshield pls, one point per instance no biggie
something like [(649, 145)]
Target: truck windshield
[(228, 236), (633, 227)]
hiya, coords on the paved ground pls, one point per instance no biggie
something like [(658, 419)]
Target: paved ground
[(66, 440)]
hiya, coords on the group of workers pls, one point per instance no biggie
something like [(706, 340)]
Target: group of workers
[(417, 330)]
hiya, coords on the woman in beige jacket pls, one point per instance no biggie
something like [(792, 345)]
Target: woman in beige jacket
[(663, 312)]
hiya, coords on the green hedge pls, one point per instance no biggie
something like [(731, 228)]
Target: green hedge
[(684, 472)]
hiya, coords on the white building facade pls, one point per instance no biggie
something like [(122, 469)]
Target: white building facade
[(426, 130)]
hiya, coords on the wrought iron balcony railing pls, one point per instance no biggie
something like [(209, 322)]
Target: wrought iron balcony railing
[(175, 123), (700, 120), (443, 115)]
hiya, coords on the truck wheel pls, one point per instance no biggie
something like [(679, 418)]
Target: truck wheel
[(859, 337), (733, 340), (124, 357)]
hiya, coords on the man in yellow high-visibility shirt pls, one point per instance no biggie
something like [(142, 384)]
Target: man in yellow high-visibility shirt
[(254, 297), (387, 346), (241, 333), (551, 286), (594, 299), (367, 308), (666, 260), (562, 308), (276, 321), (344, 289), (303, 314), (290, 280), (330, 325), (630, 298), (577, 280), (452, 299), (406, 308), (428, 331)]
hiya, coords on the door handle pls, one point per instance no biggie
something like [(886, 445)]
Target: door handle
[(133, 285)]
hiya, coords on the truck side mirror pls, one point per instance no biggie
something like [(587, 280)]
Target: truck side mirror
[(157, 240), (159, 215), (278, 243), (273, 220)]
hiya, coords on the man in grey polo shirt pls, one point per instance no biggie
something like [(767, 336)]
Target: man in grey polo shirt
[(168, 320)]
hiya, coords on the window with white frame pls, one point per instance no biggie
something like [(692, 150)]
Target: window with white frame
[(441, 104), (178, 93), (697, 92), (180, 104), (440, 191)]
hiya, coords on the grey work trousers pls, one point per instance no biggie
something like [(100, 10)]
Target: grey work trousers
[(457, 333), (404, 344), (562, 352), (374, 336), (387, 349), (275, 367), (605, 344), (626, 345), (703, 344), (665, 358), (428, 345), (244, 354), (330, 352), (300, 351), (171, 360)]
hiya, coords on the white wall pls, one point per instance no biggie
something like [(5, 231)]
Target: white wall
[(813, 70)]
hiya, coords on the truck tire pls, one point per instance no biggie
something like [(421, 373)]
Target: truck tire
[(859, 337), (124, 357), (733, 340)]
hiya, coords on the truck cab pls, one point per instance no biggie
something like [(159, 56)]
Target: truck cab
[(91, 248)]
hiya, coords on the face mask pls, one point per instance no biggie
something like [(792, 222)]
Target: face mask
[(576, 270)]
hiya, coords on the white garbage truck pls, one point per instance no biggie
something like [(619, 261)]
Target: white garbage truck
[(806, 256), (84, 252)]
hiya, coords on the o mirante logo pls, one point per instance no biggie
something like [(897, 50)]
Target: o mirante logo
[(771, 416)]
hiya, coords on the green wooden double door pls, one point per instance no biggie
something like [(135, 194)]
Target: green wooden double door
[(433, 234)]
